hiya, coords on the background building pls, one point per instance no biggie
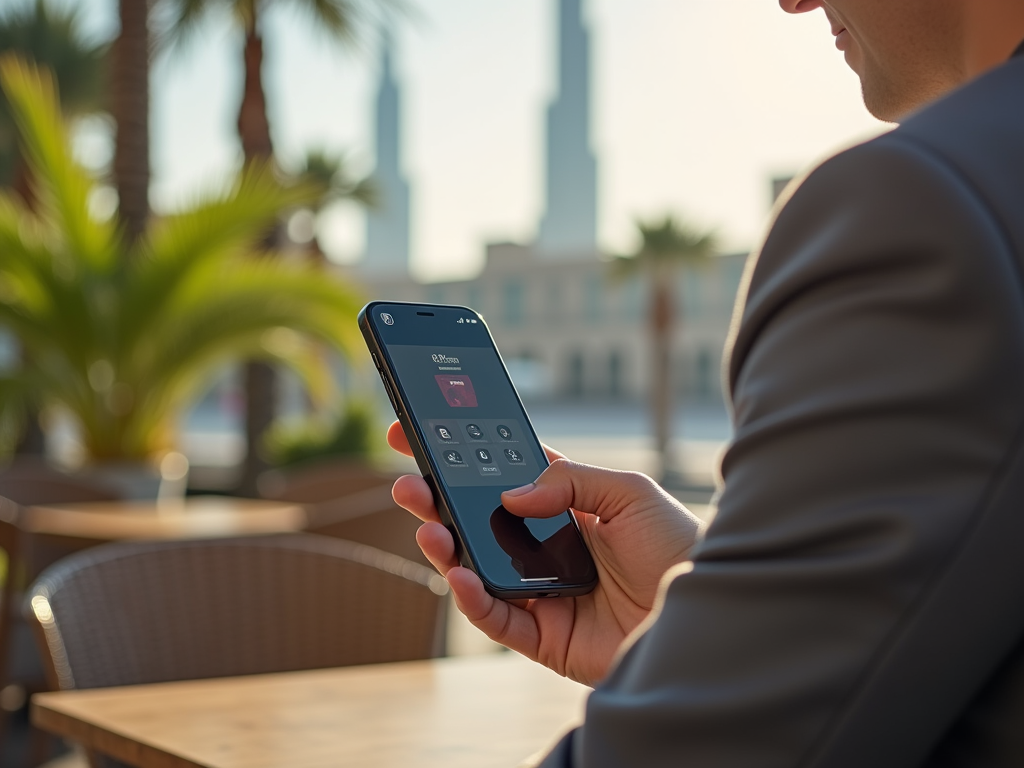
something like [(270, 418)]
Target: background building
[(569, 226), (387, 224), (566, 329)]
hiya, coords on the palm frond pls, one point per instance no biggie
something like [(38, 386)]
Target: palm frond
[(244, 298), (238, 310), (667, 241), (41, 297), (124, 348), (62, 186), (366, 192), (342, 19), (184, 19), (49, 34), (175, 247), (278, 346), (339, 18), (331, 176)]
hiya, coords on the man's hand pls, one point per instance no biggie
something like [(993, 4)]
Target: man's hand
[(634, 530)]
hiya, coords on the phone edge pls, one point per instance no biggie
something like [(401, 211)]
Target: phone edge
[(448, 519)]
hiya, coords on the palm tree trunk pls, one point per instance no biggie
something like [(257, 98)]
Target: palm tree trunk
[(32, 441), (129, 102), (260, 380), (253, 125), (661, 316)]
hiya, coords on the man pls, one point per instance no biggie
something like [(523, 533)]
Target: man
[(857, 601)]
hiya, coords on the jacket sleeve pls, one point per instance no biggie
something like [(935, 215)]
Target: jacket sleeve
[(859, 582)]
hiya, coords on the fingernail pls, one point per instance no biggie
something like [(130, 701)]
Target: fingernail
[(521, 490)]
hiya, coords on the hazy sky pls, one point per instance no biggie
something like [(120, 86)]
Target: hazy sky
[(697, 105)]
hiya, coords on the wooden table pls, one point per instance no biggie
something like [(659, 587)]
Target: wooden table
[(469, 712), (195, 517)]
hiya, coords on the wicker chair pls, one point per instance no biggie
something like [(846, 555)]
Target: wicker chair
[(370, 517), (24, 484), (321, 479), (38, 485), (29, 491), (348, 500), (144, 612)]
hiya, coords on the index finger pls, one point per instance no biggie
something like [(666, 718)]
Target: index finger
[(397, 439), (399, 442)]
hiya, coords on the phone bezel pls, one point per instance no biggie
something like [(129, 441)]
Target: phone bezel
[(432, 474)]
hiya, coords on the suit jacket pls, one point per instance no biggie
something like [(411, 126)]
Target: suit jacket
[(859, 599)]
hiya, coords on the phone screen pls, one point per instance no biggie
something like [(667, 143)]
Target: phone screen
[(477, 437)]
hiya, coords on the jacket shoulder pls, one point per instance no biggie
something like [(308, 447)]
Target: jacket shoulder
[(877, 211)]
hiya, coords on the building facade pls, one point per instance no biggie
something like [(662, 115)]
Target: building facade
[(568, 330)]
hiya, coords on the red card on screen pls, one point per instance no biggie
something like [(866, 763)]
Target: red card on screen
[(457, 390)]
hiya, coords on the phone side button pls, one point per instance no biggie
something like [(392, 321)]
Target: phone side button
[(376, 362), (391, 395)]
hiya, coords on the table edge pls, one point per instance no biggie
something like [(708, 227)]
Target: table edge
[(105, 741)]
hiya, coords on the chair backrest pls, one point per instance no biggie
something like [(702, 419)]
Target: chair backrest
[(369, 517), (322, 480), (146, 612), (29, 483), (350, 500)]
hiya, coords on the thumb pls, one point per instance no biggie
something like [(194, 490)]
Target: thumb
[(585, 488)]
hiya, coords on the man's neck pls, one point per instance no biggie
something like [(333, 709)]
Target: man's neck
[(994, 30)]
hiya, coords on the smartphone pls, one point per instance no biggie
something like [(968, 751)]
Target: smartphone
[(472, 440)]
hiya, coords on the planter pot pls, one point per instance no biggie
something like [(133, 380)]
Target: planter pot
[(143, 481)]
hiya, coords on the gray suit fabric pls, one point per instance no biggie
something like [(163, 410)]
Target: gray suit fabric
[(859, 600)]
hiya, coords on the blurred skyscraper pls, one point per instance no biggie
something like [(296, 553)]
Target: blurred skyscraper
[(387, 226), (567, 331), (569, 226)]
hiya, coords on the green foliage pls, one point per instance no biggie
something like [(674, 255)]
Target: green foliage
[(355, 435), (125, 337), (665, 244), (338, 18), (330, 174), (46, 34)]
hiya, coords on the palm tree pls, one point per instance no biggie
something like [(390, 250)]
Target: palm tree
[(129, 105), (330, 174), (339, 19), (125, 335), (667, 246), (50, 37)]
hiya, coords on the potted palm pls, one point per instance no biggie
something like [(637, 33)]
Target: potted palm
[(121, 335)]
